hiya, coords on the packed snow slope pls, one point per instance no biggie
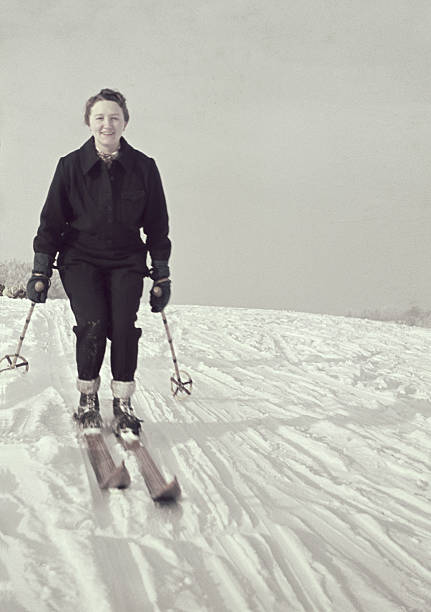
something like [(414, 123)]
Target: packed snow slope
[(303, 454)]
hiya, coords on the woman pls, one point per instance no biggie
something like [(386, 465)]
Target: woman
[(101, 196)]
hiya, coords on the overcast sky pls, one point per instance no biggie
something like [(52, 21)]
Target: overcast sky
[(293, 138)]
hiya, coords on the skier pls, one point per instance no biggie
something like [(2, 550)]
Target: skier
[(100, 197)]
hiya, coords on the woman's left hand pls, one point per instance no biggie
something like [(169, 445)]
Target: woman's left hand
[(160, 295)]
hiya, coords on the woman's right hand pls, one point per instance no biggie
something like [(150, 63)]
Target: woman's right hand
[(38, 284), (37, 288)]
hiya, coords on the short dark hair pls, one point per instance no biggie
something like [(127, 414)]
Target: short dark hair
[(106, 94)]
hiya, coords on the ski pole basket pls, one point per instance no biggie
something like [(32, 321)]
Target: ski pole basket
[(16, 360), (181, 382)]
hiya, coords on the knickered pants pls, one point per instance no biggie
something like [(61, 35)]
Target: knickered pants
[(104, 295)]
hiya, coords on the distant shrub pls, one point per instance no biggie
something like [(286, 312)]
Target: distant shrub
[(413, 316), (14, 276), (417, 316), (15, 292)]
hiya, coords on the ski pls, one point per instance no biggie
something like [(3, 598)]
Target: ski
[(159, 489), (108, 475)]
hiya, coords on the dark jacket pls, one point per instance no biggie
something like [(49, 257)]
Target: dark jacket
[(100, 211)]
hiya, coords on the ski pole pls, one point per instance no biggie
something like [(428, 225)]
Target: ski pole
[(176, 383), (13, 359)]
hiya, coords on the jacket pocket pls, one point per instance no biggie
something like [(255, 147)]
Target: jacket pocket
[(132, 206)]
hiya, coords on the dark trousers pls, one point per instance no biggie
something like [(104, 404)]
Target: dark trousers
[(104, 295)]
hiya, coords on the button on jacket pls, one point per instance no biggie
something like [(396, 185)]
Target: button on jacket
[(100, 211)]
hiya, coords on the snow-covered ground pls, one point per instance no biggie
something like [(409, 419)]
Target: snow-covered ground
[(303, 454)]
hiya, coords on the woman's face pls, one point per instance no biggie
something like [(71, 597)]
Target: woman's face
[(107, 124)]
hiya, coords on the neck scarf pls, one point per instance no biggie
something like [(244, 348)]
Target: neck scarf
[(108, 158)]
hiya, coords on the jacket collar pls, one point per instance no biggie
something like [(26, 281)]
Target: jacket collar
[(89, 157)]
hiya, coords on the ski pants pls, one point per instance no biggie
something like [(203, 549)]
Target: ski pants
[(104, 296)]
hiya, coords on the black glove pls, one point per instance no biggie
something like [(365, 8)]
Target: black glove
[(161, 290), (41, 273), (38, 294)]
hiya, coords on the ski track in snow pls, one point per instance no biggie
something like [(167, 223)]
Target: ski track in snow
[(303, 454)]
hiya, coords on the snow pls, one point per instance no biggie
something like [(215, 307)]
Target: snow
[(303, 454)]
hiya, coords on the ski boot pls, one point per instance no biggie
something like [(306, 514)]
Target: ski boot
[(125, 420), (87, 414)]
